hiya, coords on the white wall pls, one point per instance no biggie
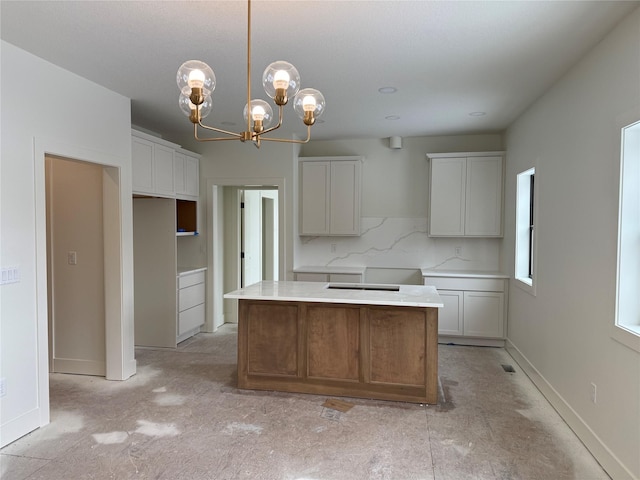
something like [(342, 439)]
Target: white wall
[(395, 195), (38, 115), (233, 163), (564, 334)]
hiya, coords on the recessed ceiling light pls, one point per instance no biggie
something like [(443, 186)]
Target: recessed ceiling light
[(477, 114), (387, 89), (392, 117)]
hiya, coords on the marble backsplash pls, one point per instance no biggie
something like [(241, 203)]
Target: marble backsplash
[(400, 243)]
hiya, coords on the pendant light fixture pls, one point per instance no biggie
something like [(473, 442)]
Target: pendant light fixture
[(281, 81)]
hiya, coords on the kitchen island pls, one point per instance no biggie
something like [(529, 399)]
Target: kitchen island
[(355, 340)]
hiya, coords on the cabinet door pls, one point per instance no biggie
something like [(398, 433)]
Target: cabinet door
[(483, 314), (141, 166), (447, 197), (163, 170), (314, 198), (345, 198), (178, 173), (191, 176), (451, 315), (483, 213)]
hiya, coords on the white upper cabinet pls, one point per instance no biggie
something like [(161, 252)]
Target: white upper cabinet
[(152, 166), (330, 195), (465, 194), (186, 174)]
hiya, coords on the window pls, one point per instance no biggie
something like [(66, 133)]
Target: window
[(525, 261), (628, 300)]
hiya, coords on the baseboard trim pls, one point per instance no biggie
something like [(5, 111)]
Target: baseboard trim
[(79, 367), (474, 341), (607, 459), (19, 427)]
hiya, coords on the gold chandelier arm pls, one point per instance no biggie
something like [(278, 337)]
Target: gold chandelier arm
[(287, 140), (233, 135), (280, 116), (248, 65), (254, 133)]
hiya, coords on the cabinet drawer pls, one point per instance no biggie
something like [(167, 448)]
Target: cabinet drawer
[(345, 277), (190, 319), (468, 284), (190, 296), (311, 277), (191, 279)]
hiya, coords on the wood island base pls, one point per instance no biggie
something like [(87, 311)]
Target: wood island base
[(353, 350)]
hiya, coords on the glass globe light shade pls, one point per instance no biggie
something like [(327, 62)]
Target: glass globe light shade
[(260, 111), (309, 100), (186, 105), (196, 74), (281, 74)]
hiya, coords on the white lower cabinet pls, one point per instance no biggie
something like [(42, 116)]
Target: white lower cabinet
[(451, 315), (474, 309), (329, 274), (328, 277), (484, 314), (191, 304), (311, 277)]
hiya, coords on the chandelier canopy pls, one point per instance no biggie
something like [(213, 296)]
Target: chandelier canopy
[(281, 81)]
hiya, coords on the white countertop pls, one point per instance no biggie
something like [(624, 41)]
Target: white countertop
[(463, 273), (406, 295), (189, 270)]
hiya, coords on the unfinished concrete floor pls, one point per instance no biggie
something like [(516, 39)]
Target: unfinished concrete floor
[(181, 417)]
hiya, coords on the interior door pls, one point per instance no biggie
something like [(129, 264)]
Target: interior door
[(75, 261), (251, 238)]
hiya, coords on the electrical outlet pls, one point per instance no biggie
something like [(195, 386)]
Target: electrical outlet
[(458, 250), (72, 258), (333, 248), (3, 387), (594, 390)]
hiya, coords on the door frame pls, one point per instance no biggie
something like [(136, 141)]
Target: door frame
[(117, 319), (81, 366), (215, 260)]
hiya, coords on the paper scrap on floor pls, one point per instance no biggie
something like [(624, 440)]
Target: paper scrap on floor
[(339, 405)]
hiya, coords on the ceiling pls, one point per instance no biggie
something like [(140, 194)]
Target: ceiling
[(447, 59)]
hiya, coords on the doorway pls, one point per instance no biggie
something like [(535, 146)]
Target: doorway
[(75, 266), (118, 274), (258, 232)]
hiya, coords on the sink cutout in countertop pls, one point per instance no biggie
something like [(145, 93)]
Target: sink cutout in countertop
[(363, 286)]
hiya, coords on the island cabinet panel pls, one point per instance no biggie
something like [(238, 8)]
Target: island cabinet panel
[(333, 339), (272, 339), (397, 346), (353, 350)]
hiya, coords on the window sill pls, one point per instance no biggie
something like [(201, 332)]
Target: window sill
[(525, 284), (628, 335)]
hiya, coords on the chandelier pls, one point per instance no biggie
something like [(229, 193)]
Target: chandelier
[(280, 80)]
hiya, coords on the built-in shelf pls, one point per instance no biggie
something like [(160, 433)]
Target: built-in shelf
[(186, 217)]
